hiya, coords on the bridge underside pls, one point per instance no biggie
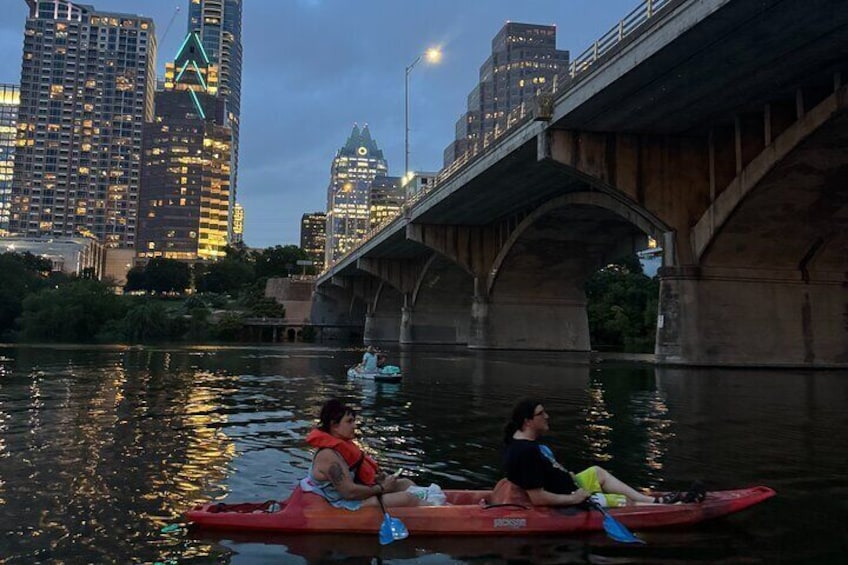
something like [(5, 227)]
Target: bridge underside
[(773, 284)]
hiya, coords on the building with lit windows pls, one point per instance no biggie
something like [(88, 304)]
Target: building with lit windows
[(524, 59), (218, 24), (87, 83), (185, 196), (238, 224), (355, 166), (10, 98), (313, 236), (385, 199)]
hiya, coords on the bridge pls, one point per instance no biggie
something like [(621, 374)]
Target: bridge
[(716, 127)]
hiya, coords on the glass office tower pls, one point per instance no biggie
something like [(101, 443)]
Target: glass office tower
[(10, 99), (313, 236), (184, 209), (355, 166), (218, 24), (87, 84)]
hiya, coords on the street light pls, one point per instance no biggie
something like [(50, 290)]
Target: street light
[(431, 55)]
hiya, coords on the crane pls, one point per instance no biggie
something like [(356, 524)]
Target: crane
[(168, 27)]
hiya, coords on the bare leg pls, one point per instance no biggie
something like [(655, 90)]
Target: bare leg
[(401, 485), (614, 486), (393, 500)]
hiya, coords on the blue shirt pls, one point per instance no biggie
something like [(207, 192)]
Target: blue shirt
[(369, 360)]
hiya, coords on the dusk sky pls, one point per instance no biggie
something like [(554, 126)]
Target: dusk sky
[(313, 68)]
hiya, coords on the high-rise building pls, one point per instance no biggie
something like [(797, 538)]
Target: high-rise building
[(10, 99), (355, 166), (87, 84), (238, 224), (524, 60), (385, 199), (185, 191), (313, 236), (218, 23)]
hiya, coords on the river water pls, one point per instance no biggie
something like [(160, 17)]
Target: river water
[(102, 448)]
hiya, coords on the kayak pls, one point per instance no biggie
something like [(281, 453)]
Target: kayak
[(468, 513), (387, 374)]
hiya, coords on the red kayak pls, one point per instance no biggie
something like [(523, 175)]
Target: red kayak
[(468, 513)]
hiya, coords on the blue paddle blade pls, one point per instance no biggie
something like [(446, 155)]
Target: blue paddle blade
[(618, 531), (391, 530)]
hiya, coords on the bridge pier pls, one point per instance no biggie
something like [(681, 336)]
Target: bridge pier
[(515, 322), (733, 318), (381, 328), (406, 336), (433, 326), (383, 320)]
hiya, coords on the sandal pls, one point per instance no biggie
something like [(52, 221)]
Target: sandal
[(668, 498), (696, 493)]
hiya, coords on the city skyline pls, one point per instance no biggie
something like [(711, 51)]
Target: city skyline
[(345, 66)]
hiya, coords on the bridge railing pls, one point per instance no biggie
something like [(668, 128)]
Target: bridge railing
[(523, 114), (627, 25)]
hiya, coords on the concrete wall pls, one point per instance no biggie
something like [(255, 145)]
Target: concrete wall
[(750, 322), (294, 294)]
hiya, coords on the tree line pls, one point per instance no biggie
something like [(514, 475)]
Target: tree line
[(164, 300)]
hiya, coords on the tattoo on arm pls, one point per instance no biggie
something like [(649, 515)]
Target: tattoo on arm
[(336, 475)]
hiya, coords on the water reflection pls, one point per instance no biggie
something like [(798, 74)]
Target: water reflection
[(100, 448), (103, 447), (597, 428)]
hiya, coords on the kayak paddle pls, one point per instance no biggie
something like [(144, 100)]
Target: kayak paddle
[(392, 528), (615, 529)]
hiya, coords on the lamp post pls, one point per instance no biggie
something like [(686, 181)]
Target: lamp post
[(432, 55)]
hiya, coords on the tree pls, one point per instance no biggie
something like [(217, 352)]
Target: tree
[(199, 324), (167, 275), (20, 275), (225, 276), (268, 308), (147, 322), (136, 279), (160, 275), (72, 312), (229, 328), (278, 261), (622, 306)]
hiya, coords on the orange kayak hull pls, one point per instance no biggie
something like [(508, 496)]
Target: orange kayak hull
[(467, 514)]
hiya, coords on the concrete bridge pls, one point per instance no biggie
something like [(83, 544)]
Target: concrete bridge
[(717, 127)]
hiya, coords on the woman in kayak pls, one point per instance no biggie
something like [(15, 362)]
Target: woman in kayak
[(369, 359), (343, 474), (531, 465)]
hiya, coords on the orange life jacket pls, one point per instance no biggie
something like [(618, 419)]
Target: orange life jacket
[(364, 467)]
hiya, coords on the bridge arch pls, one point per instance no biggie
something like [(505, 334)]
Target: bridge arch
[(603, 199), (438, 310), (788, 190), (534, 295)]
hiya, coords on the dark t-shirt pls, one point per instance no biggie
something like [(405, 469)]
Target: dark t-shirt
[(527, 467)]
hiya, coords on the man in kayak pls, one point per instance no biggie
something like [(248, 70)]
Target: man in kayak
[(348, 478), (531, 465)]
